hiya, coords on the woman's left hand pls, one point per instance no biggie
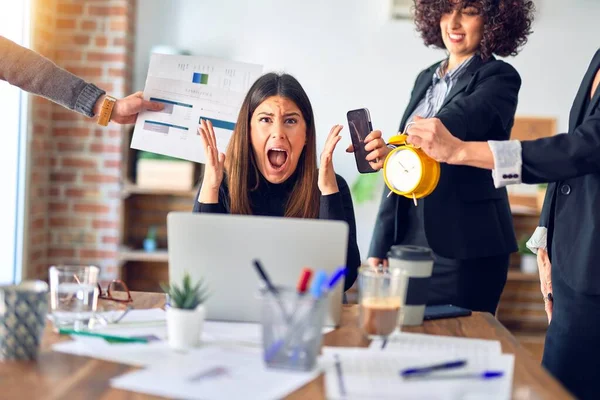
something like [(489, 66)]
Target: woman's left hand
[(327, 182)]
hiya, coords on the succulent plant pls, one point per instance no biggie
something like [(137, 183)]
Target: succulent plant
[(186, 297)]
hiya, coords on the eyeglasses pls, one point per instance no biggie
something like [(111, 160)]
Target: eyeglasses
[(117, 291)]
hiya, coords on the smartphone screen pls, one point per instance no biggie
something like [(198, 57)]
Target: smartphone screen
[(359, 124)]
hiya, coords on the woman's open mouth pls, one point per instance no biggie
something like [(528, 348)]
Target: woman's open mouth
[(277, 158)]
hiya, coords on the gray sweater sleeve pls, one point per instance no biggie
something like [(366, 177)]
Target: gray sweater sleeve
[(36, 74)]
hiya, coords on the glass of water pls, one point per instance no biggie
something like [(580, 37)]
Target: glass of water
[(73, 295)]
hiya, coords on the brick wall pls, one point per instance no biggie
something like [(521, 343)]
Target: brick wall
[(80, 191)]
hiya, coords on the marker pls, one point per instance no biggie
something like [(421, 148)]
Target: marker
[(109, 338), (305, 276)]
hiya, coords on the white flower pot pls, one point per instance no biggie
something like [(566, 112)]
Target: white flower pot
[(529, 263), (184, 327)]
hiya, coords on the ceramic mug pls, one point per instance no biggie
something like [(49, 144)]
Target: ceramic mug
[(23, 310)]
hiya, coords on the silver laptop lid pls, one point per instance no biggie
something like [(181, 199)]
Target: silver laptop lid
[(220, 248)]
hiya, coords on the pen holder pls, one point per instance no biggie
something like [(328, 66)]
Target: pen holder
[(292, 329)]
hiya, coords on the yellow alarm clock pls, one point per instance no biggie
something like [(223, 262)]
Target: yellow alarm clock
[(408, 171)]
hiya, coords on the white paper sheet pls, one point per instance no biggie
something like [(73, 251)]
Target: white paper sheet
[(216, 373), (418, 341), (368, 374), (214, 334), (191, 87)]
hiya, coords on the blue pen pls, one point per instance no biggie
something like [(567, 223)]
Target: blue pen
[(336, 277), (485, 375), (426, 370)]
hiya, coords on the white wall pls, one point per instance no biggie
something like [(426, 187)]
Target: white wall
[(348, 54)]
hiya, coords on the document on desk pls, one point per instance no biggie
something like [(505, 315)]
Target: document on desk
[(190, 88), (214, 334), (417, 341), (216, 373), (367, 374)]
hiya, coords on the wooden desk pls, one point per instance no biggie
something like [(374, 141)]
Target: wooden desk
[(58, 375)]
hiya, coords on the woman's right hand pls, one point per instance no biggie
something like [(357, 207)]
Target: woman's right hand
[(375, 262), (544, 268), (214, 167)]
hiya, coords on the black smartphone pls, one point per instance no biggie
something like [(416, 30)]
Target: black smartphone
[(445, 311), (359, 123)]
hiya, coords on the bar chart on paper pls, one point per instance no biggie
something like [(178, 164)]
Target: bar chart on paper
[(191, 88)]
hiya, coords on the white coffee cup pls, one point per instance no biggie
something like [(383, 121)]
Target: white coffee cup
[(417, 262)]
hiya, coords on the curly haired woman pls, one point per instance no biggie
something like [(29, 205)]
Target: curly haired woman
[(466, 221)]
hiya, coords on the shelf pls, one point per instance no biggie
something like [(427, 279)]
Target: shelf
[(523, 276), (126, 254), (517, 209), (129, 189)]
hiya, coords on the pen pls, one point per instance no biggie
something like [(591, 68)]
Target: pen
[(406, 373), (486, 375), (340, 376), (272, 289), (110, 338)]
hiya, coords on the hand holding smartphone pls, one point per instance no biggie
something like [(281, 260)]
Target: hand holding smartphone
[(359, 124)]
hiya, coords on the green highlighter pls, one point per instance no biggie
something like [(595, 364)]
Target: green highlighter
[(108, 338)]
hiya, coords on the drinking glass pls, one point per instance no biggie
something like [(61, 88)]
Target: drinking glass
[(73, 295), (381, 296)]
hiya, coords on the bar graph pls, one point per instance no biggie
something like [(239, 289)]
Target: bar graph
[(200, 78)]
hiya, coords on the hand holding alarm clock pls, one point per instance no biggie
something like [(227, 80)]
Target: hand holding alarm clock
[(408, 171)]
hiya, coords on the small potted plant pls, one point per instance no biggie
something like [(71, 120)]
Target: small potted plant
[(541, 195), (185, 313), (150, 240), (528, 258)]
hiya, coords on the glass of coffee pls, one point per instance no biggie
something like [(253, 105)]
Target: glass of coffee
[(381, 296)]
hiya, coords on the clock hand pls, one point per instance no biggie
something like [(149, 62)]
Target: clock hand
[(403, 167)]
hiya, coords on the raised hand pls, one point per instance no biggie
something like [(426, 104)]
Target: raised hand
[(327, 182), (214, 167)]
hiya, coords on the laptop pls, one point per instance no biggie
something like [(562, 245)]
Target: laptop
[(220, 249)]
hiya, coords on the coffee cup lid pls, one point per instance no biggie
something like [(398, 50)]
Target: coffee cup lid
[(411, 253)]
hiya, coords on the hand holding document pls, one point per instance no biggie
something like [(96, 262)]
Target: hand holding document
[(191, 88)]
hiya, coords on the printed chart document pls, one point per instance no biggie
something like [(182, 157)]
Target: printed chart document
[(191, 87), (368, 374)]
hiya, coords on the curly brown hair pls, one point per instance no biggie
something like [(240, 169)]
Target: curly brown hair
[(507, 23)]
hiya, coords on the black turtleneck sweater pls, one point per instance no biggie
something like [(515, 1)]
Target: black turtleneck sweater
[(270, 199)]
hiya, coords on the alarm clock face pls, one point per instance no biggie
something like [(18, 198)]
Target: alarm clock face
[(404, 170)]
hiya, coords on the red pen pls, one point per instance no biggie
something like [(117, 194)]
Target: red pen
[(304, 280)]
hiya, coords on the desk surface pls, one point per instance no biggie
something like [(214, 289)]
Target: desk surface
[(57, 375)]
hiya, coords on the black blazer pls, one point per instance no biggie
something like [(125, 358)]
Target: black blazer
[(465, 216), (572, 207)]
